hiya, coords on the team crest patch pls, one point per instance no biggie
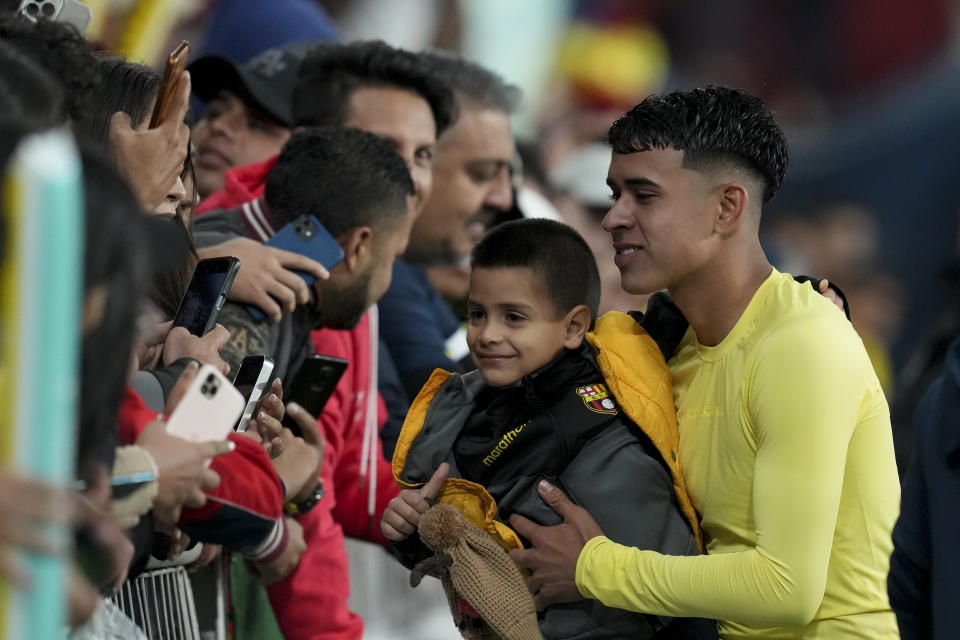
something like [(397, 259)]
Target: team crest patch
[(597, 398)]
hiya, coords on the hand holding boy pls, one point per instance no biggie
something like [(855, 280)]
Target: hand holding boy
[(552, 558), (402, 515)]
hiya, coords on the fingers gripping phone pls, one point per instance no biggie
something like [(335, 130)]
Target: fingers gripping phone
[(209, 409), (309, 238), (176, 63), (66, 11), (206, 294), (313, 386), (251, 380)]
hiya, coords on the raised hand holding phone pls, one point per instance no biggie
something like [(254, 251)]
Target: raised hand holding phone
[(151, 158), (307, 237), (182, 465)]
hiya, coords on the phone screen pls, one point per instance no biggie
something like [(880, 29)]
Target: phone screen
[(204, 296), (248, 375)]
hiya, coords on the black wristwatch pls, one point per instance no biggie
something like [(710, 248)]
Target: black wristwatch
[(300, 508)]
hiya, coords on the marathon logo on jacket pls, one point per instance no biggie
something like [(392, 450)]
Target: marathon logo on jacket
[(597, 399), (505, 442)]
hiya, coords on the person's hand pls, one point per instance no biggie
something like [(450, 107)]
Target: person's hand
[(180, 343), (152, 159), (286, 561), (298, 464), (402, 514), (311, 435), (266, 419), (109, 551), (266, 278), (552, 559), (26, 507), (148, 352), (183, 470), (831, 294)]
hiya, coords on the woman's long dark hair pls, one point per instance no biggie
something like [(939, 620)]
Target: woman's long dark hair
[(131, 88), (115, 257)]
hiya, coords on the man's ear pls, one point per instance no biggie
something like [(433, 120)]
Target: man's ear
[(577, 323), (357, 245), (733, 208)]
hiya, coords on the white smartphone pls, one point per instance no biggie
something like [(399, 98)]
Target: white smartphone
[(209, 409), (67, 11), (251, 381)]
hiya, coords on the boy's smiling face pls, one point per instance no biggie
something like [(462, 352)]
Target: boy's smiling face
[(514, 328)]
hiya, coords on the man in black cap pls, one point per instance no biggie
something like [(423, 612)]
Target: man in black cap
[(247, 117)]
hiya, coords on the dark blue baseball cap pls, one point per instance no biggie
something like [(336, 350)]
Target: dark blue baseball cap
[(267, 80)]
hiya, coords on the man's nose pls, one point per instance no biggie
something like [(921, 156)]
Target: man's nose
[(499, 195), (618, 217)]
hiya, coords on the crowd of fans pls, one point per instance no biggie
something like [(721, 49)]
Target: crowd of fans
[(409, 161)]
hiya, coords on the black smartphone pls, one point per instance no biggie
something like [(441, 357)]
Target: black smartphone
[(207, 292), (251, 380), (313, 386)]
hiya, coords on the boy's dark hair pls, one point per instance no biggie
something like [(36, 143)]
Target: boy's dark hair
[(61, 51), (332, 71), (554, 251), (710, 125), (472, 83), (28, 93), (345, 177)]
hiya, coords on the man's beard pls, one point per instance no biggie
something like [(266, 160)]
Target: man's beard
[(348, 306)]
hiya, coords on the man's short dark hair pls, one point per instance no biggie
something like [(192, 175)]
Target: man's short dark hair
[(345, 177), (332, 72), (61, 51), (552, 250), (710, 125), (471, 83)]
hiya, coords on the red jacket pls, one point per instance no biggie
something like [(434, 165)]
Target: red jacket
[(311, 603), (245, 512)]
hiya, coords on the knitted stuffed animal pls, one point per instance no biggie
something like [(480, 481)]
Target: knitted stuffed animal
[(484, 588)]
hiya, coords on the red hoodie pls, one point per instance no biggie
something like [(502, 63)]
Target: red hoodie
[(311, 603)]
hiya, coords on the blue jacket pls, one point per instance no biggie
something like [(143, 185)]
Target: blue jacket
[(924, 581), (415, 323)]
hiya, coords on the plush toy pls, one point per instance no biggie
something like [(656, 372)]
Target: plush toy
[(485, 589)]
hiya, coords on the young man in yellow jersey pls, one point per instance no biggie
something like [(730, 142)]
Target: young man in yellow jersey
[(785, 440)]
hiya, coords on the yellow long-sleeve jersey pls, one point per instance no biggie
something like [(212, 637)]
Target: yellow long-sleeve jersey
[(786, 447)]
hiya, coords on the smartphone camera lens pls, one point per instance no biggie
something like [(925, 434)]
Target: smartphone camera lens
[(48, 9), (33, 9)]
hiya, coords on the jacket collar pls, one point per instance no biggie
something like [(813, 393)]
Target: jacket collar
[(258, 220)]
